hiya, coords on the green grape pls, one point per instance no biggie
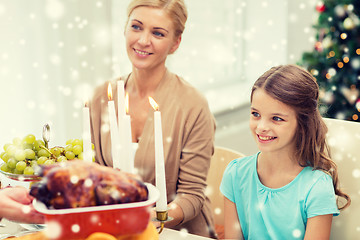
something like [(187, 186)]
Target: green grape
[(81, 156), (5, 168), (33, 163), (4, 156), (29, 171), (69, 141), (43, 153), (30, 139), (27, 146), (61, 159), (49, 162), (17, 141), (29, 154), (6, 145), (20, 155), (69, 155), (20, 166), (17, 171), (38, 143), (69, 147), (81, 143), (10, 150), (41, 160), (12, 163), (62, 150), (92, 146), (76, 142), (56, 151), (77, 149)]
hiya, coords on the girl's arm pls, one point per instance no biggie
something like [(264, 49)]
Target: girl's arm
[(318, 227), (232, 225)]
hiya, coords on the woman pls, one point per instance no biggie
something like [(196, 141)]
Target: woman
[(153, 31), (289, 189)]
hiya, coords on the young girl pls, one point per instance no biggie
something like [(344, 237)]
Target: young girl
[(287, 190)]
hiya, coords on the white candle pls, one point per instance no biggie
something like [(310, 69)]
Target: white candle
[(127, 140), (124, 125), (114, 131), (87, 148), (121, 101), (121, 126), (160, 182)]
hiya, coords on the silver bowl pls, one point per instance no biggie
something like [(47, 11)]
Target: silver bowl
[(20, 177)]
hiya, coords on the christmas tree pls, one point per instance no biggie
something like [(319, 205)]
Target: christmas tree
[(335, 60)]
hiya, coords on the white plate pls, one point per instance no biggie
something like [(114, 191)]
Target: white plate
[(33, 227)]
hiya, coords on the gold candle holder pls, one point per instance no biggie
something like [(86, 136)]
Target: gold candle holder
[(162, 217)]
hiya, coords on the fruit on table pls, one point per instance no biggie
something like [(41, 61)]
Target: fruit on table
[(101, 236), (150, 233), (21, 156)]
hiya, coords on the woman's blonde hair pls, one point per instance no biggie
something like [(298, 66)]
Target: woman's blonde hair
[(175, 9), (298, 89)]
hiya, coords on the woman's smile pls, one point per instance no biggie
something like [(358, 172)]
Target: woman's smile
[(141, 53)]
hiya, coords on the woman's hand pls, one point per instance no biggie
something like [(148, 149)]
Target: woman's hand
[(16, 205)]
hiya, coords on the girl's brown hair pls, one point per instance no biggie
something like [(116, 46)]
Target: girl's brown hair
[(298, 89), (176, 9)]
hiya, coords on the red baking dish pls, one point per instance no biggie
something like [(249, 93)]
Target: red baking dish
[(116, 219)]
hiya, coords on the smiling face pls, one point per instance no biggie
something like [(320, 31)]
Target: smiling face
[(272, 123), (150, 37)]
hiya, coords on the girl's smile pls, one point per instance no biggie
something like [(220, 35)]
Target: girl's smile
[(265, 139)]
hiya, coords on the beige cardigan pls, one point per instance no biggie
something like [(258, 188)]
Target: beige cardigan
[(188, 135)]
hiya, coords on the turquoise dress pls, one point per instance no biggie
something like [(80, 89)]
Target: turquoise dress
[(281, 213)]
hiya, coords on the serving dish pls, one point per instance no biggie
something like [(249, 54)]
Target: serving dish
[(116, 219)]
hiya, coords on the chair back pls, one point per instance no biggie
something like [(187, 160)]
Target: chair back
[(344, 142), (221, 158)]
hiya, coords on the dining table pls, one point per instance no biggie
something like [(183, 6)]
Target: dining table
[(10, 228), (170, 234)]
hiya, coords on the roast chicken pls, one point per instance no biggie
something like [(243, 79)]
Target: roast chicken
[(81, 184)]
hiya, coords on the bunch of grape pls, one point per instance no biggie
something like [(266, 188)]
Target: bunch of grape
[(22, 155)]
